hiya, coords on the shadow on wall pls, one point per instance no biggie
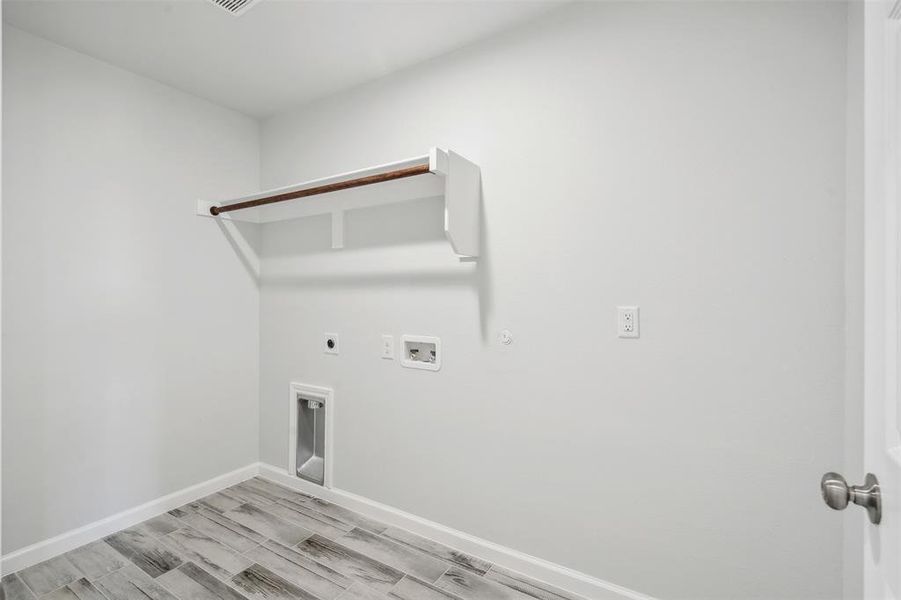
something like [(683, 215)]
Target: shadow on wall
[(245, 240), (392, 245)]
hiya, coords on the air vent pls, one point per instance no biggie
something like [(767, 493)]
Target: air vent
[(235, 7)]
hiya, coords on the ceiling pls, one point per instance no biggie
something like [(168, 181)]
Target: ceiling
[(278, 54)]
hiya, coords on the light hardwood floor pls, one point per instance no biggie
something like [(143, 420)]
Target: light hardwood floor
[(260, 541)]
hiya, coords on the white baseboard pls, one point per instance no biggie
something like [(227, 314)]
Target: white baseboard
[(41, 551), (536, 568)]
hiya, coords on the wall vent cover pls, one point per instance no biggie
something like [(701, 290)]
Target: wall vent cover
[(235, 7)]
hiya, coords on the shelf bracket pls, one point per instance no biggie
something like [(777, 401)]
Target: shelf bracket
[(462, 200)]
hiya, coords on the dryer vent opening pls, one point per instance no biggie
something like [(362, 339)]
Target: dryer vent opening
[(310, 447), (310, 433), (235, 7)]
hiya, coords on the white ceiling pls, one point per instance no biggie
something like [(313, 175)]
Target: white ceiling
[(278, 54)]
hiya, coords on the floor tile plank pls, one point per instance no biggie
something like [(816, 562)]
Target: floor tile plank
[(469, 586), (190, 582), (219, 502), (351, 563), (476, 565), (315, 514), (13, 588), (145, 551), (96, 559), (218, 527), (361, 592), (268, 525), (401, 557), (245, 494), (273, 491), (305, 561), (259, 583), (82, 589), (410, 588), (207, 553), (131, 583), (346, 515), (300, 570), (528, 586), (50, 575), (312, 523), (159, 526)]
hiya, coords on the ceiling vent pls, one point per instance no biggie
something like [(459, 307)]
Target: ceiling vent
[(235, 7)]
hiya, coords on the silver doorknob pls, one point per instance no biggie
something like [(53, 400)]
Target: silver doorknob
[(837, 494)]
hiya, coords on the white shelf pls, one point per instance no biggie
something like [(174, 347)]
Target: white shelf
[(450, 176)]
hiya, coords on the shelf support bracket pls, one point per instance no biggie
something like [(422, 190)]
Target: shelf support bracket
[(462, 200)]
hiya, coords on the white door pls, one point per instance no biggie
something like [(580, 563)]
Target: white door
[(882, 307)]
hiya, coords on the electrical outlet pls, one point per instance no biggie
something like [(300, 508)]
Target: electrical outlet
[(330, 343), (388, 347), (627, 321)]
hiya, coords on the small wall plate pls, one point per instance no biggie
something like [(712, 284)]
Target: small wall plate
[(420, 352), (330, 343)]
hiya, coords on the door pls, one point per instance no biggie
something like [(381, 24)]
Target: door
[(882, 294)]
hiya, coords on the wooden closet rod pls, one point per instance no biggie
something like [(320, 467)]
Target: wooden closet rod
[(324, 189)]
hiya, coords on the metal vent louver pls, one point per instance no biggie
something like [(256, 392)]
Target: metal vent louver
[(235, 7)]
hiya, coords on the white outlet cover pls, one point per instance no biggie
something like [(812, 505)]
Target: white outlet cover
[(627, 321), (325, 339), (388, 347)]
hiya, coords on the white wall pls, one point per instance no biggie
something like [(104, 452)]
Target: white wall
[(130, 330), (688, 158)]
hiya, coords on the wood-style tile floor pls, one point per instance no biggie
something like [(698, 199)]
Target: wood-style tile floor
[(260, 541)]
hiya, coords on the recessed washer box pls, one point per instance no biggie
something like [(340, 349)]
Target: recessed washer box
[(421, 352)]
